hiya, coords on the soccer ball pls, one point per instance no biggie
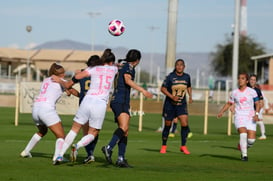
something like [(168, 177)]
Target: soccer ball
[(116, 27)]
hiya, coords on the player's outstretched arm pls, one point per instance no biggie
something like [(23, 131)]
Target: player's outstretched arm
[(65, 84), (132, 84), (82, 74), (73, 92), (189, 90), (224, 108)]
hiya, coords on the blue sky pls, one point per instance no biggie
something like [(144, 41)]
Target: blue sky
[(202, 24)]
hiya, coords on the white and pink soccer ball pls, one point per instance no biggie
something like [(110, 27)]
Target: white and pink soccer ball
[(116, 27)]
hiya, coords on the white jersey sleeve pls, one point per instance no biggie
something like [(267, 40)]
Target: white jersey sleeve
[(49, 93), (102, 78)]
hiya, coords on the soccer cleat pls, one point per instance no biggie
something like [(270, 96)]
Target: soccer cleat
[(185, 150), (107, 153), (74, 153), (244, 158), (159, 130), (163, 149), (189, 135), (89, 159), (123, 164), (58, 160), (262, 137), (171, 135), (25, 155)]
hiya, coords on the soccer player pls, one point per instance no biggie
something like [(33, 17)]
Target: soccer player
[(175, 86), (44, 111), (84, 87), (120, 106), (93, 106), (245, 116), (261, 122), (253, 84)]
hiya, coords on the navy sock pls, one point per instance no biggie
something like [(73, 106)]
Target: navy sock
[(118, 134), (165, 134), (88, 149), (91, 146), (122, 144), (184, 134)]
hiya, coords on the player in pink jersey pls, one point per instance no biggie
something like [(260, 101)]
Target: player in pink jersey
[(93, 106), (44, 111), (245, 115)]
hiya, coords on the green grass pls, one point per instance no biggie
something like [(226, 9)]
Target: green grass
[(213, 156)]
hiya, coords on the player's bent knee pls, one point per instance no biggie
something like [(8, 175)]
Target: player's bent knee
[(250, 142)]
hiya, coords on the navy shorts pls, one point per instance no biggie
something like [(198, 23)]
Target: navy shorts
[(174, 111), (119, 108)]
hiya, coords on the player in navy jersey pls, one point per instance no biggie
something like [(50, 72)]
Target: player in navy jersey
[(84, 86), (253, 84), (175, 87), (120, 106)]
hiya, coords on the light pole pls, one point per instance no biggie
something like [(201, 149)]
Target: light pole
[(93, 15), (152, 28), (29, 29), (235, 56), (171, 35)]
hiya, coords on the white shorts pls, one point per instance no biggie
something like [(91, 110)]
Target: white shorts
[(245, 121), (43, 115), (92, 110)]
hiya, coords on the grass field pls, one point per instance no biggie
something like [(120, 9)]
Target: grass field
[(213, 156)]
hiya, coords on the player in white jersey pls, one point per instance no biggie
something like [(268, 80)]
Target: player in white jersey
[(245, 115), (44, 111), (93, 106)]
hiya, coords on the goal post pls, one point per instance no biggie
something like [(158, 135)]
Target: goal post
[(17, 96), (206, 113), (140, 112)]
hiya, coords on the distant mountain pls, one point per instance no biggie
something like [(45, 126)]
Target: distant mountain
[(64, 44), (194, 61)]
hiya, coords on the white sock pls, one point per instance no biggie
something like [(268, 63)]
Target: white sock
[(68, 141), (261, 124), (58, 147), (243, 143), (32, 142), (85, 140)]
